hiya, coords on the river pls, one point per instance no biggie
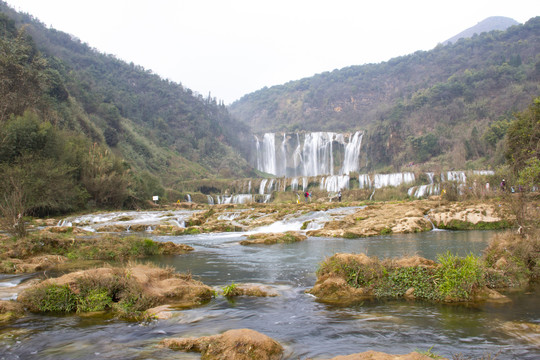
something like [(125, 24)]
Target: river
[(305, 327)]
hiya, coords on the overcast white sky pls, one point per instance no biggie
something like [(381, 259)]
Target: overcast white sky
[(234, 47)]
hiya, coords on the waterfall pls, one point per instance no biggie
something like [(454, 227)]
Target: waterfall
[(364, 181), (258, 149), (249, 187), (458, 176), (210, 200), (304, 183), (188, 198), (263, 185), (312, 154), (317, 154), (297, 156), (395, 179), (266, 155), (283, 160), (352, 154), (424, 190), (270, 186), (335, 183), (294, 184)]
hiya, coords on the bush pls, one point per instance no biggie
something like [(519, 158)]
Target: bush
[(91, 293), (458, 276), (51, 298)]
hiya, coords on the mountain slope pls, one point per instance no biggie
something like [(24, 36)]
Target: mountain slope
[(156, 125), (428, 106), (492, 23)]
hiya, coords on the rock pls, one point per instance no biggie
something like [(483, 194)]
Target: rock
[(37, 263), (529, 332), (10, 310), (162, 312), (113, 228), (487, 294), (409, 294), (335, 289), (162, 286), (240, 344), (274, 238), (252, 290), (170, 248), (375, 355)]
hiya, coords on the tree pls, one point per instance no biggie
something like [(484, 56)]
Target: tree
[(105, 178), (523, 138), (35, 186)]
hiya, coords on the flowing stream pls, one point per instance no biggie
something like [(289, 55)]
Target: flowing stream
[(305, 327)]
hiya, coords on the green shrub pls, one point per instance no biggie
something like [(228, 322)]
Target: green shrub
[(229, 290), (458, 276), (94, 300), (398, 280), (52, 298)]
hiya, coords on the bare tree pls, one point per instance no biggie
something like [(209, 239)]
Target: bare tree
[(13, 208)]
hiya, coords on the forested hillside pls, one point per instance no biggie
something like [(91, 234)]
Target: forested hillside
[(79, 127), (446, 106)]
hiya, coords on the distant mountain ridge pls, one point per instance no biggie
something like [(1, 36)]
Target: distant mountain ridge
[(446, 106), (489, 24)]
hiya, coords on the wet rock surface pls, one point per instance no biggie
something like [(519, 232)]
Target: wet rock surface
[(236, 344), (274, 238)]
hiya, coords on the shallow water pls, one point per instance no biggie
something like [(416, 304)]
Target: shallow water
[(304, 326)]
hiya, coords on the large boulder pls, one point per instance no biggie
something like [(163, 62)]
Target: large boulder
[(240, 344), (156, 285), (273, 238)]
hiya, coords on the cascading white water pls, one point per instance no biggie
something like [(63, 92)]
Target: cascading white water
[(395, 179), (424, 190), (266, 154), (317, 154), (312, 156), (294, 184), (235, 199), (458, 176), (335, 183), (352, 154), (364, 181), (282, 171), (297, 156), (270, 186), (263, 186)]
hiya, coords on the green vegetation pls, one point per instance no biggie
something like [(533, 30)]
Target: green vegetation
[(509, 261), (458, 277), (430, 353), (82, 130), (91, 293), (104, 248), (481, 225), (230, 290)]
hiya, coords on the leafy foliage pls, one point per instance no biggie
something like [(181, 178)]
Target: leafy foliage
[(107, 126), (523, 144)]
